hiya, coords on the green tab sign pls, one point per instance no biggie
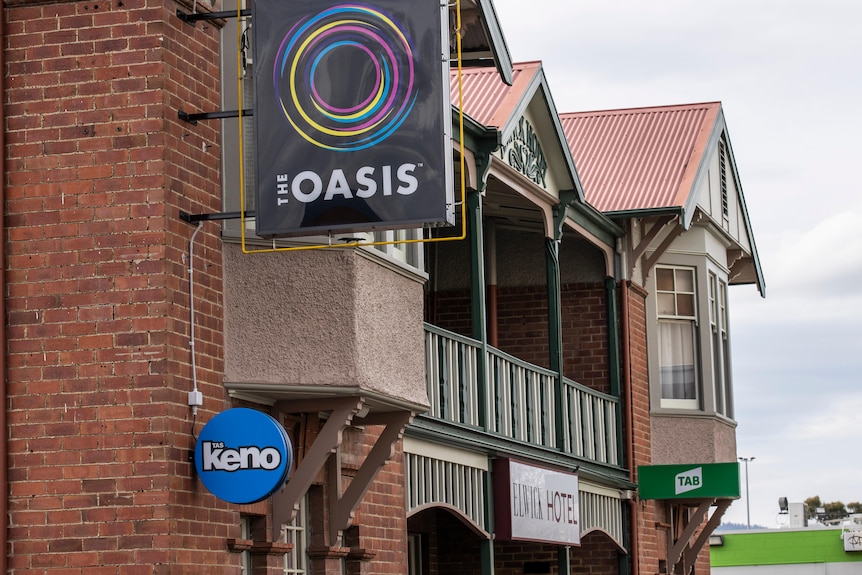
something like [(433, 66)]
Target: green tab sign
[(694, 481)]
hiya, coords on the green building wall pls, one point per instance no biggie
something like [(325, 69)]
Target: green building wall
[(781, 547)]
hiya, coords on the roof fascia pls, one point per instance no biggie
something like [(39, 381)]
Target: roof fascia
[(595, 222), (690, 204), (474, 132), (646, 213), (719, 128), (539, 85), (761, 281), (502, 58)]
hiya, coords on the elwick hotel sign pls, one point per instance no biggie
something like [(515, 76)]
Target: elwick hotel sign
[(535, 504), (352, 116)]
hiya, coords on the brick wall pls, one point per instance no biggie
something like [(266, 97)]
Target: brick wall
[(597, 554), (522, 323), (380, 522), (652, 542), (450, 310), (98, 356), (585, 335)]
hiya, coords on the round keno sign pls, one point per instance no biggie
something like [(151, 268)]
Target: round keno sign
[(243, 455)]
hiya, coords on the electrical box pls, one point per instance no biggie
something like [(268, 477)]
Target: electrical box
[(797, 515)]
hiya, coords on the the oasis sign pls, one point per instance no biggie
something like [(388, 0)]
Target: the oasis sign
[(352, 121), (243, 455), (535, 504)]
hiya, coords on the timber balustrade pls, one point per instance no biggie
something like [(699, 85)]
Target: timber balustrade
[(520, 399)]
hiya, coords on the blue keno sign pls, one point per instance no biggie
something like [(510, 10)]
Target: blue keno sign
[(243, 455)]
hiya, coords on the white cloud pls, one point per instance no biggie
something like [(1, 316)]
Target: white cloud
[(812, 278), (828, 252), (839, 424)]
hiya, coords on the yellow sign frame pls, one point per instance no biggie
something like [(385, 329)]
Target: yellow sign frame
[(358, 243)]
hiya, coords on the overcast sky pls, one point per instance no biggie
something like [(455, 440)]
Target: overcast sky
[(789, 76)]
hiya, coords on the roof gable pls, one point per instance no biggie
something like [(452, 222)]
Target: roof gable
[(481, 38), (656, 160), (487, 100)]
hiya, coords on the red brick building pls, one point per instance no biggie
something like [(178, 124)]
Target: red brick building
[(402, 373)]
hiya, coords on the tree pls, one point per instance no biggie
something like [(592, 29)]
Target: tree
[(811, 505), (831, 510), (835, 510)]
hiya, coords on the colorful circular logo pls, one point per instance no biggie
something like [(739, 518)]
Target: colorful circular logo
[(345, 78), (243, 455)]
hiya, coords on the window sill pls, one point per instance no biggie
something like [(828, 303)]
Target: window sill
[(692, 413), (258, 547)]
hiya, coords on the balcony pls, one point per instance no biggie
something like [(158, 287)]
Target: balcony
[(518, 401)]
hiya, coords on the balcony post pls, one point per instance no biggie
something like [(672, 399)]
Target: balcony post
[(555, 309), (487, 545), (555, 332), (473, 212), (482, 155), (614, 359)]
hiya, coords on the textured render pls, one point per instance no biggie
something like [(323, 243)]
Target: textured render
[(389, 332), (323, 318), (684, 439)]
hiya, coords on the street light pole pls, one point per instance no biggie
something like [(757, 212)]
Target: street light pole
[(747, 500)]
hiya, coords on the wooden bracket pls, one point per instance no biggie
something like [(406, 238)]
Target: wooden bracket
[(326, 451), (285, 502), (681, 554), (711, 525), (635, 252), (342, 508), (674, 233)]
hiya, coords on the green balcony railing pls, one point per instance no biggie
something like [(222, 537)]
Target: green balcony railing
[(520, 399)]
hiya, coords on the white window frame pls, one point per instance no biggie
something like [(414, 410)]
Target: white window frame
[(720, 345), (245, 533), (296, 533), (414, 554), (410, 254), (677, 317)]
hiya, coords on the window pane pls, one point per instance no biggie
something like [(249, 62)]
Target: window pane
[(676, 360), (685, 305), (728, 385), (713, 305), (684, 281), (414, 554), (664, 279), (717, 375), (294, 532), (666, 304)]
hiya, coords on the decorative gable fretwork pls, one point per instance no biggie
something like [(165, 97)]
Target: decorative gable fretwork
[(523, 152)]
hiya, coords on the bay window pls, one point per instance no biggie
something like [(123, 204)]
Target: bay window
[(677, 337), (720, 345)]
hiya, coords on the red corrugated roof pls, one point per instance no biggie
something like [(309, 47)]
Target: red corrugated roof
[(639, 158), (486, 98)]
